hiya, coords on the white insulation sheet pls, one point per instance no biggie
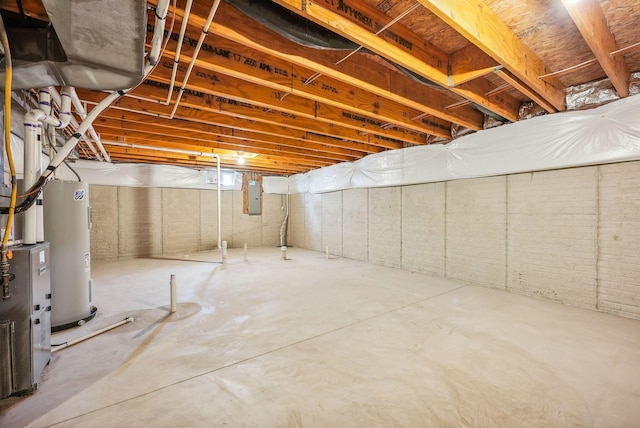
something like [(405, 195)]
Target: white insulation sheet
[(610, 133)]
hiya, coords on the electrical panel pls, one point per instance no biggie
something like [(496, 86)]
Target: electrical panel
[(254, 194)]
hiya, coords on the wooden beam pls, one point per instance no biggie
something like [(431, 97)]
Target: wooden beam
[(233, 128), (359, 22), (212, 140), (136, 137), (468, 64), (592, 24), (519, 85), (284, 79), (211, 110), (260, 159), (361, 72), (220, 85), (118, 157), (482, 27), (206, 102), (123, 152)]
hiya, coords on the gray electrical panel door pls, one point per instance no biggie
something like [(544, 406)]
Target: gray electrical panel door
[(254, 197)]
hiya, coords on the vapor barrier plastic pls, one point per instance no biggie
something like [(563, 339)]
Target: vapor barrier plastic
[(279, 185), (132, 175), (606, 134)]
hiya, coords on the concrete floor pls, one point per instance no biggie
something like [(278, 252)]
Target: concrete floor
[(316, 342)]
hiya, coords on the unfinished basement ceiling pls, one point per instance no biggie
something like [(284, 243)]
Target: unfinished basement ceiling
[(275, 91)]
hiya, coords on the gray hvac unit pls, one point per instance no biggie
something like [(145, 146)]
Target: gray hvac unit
[(25, 320), (66, 227)]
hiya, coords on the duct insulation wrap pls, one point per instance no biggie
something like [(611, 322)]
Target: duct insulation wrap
[(66, 227)]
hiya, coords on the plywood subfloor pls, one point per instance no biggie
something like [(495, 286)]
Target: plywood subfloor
[(315, 342)]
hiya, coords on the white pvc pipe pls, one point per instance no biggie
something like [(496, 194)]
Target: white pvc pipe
[(32, 130), (219, 190), (284, 225), (246, 256), (176, 58), (73, 141), (56, 97), (224, 251), (33, 120), (44, 101), (283, 253), (83, 114), (158, 34), (89, 336), (205, 31), (174, 298), (327, 255)]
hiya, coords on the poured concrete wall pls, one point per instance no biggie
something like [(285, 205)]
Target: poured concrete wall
[(569, 235), (141, 222)]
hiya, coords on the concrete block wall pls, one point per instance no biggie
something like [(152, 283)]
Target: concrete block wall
[(332, 222), (296, 220), (385, 226), (423, 228), (619, 239), (313, 221), (141, 222), (180, 223), (476, 230), (569, 235), (272, 219), (552, 228), (355, 224), (104, 231)]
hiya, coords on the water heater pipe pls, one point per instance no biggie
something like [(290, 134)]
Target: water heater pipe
[(56, 348), (184, 152)]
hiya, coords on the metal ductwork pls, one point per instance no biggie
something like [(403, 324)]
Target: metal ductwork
[(92, 44)]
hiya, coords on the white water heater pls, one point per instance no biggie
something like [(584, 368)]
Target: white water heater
[(67, 220)]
